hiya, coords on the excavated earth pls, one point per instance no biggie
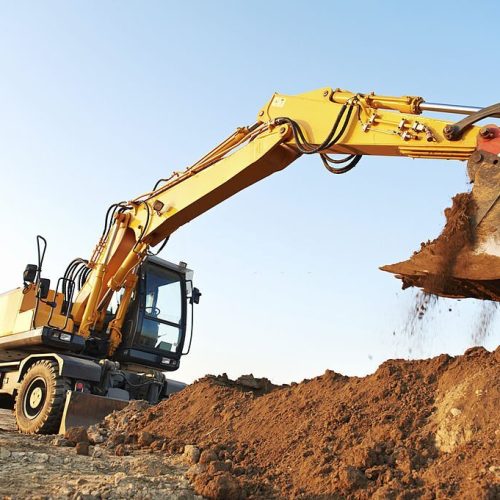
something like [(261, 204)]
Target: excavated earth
[(450, 265), (413, 429)]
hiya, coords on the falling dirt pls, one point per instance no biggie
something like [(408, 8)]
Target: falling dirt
[(414, 429), (417, 325), (484, 324), (421, 305)]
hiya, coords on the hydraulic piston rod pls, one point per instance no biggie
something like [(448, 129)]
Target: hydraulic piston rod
[(451, 108)]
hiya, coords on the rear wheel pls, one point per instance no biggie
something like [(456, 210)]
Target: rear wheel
[(40, 399)]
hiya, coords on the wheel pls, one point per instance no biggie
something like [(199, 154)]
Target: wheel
[(40, 399)]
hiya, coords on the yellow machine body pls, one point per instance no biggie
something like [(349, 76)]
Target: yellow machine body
[(19, 312), (378, 125)]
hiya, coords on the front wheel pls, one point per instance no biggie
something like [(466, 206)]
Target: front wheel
[(40, 399)]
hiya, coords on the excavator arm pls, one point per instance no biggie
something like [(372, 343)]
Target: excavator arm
[(326, 122)]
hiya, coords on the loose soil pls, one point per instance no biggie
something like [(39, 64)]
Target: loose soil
[(448, 266), (456, 236), (414, 429)]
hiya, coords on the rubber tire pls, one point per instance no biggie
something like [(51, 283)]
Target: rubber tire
[(48, 420)]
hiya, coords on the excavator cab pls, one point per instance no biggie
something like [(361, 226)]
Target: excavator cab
[(154, 331)]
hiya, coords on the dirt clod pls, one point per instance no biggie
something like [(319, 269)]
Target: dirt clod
[(191, 454), (82, 448), (76, 435)]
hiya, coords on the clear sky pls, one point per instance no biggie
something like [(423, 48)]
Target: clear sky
[(100, 99)]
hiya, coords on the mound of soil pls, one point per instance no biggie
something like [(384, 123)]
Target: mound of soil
[(413, 429)]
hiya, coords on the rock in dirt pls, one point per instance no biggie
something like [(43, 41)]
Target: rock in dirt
[(145, 438), (191, 454), (208, 456), (121, 451), (60, 441), (82, 448), (77, 435), (221, 486)]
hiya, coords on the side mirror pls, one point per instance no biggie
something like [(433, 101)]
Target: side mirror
[(195, 297), (44, 287), (29, 274)]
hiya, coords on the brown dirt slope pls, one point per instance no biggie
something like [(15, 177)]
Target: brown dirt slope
[(414, 429)]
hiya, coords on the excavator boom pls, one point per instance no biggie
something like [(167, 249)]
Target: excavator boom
[(325, 122)]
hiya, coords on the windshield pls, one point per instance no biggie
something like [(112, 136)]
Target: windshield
[(161, 325)]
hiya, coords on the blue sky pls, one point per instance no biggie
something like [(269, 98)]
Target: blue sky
[(100, 99)]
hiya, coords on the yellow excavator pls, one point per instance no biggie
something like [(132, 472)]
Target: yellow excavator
[(115, 323)]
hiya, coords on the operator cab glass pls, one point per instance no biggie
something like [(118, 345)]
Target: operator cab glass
[(161, 327), (154, 330)]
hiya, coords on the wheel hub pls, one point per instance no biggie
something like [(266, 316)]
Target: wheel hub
[(34, 398)]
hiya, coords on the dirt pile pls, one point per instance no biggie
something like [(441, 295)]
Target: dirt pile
[(413, 429)]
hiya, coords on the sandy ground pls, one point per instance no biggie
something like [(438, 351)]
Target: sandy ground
[(32, 467), (7, 420)]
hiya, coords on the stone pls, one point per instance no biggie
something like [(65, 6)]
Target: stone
[(130, 438), (191, 454), (222, 486), (116, 439), (207, 456), (82, 448), (121, 450), (495, 469), (95, 436), (4, 453), (196, 470), (145, 438), (218, 466), (157, 445), (60, 441), (77, 435), (455, 412), (40, 458), (351, 478)]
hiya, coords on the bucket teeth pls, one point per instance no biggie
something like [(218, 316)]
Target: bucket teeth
[(464, 261)]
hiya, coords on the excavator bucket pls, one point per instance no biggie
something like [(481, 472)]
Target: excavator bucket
[(83, 410), (464, 261)]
